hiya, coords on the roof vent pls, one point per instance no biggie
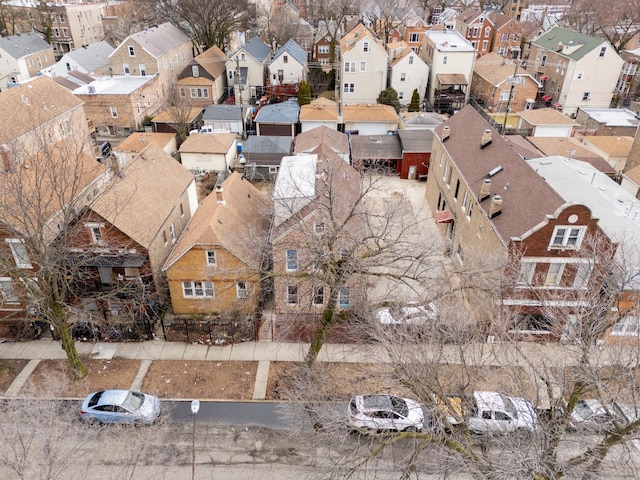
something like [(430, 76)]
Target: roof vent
[(495, 171), (486, 138), (446, 131), (495, 208)]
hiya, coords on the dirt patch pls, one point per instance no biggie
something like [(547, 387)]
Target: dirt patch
[(55, 377), (201, 379), (9, 370)]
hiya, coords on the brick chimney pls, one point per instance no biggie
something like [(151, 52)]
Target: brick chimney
[(7, 158), (219, 197), (495, 208), (485, 189), (446, 131), (486, 138)]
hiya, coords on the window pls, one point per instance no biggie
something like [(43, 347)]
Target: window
[(410, 59), (582, 275), (65, 32), (114, 112), (531, 322), (242, 57), (585, 96), (504, 37), (485, 44), (164, 237), (143, 69), (515, 37), (414, 37), (96, 233), (363, 66), (197, 289), (241, 289), (403, 77), (211, 257), (456, 191), (349, 88), (318, 228), (132, 51), (292, 260), (502, 51), (62, 20), (460, 254), (365, 46), (318, 295), (475, 31), (292, 294), (504, 95), (603, 51), (138, 108), (125, 68), (7, 292), (193, 92), (554, 274), (444, 60), (181, 210), (470, 211), (487, 32), (195, 71), (465, 199), (627, 326), (344, 300), (579, 76), (543, 61), (349, 67), (567, 237), (449, 174), (526, 272), (183, 93), (172, 233), (323, 49), (19, 252), (400, 95)]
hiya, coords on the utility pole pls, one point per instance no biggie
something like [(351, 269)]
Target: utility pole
[(513, 81), (238, 93)]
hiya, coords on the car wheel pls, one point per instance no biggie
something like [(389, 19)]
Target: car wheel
[(93, 422), (411, 429)]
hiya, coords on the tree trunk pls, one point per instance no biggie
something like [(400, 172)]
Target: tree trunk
[(69, 347), (328, 322)]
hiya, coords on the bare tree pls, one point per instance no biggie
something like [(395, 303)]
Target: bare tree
[(179, 106), (276, 25)]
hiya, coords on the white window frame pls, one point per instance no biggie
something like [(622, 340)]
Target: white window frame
[(527, 269), (543, 61), (20, 254), (363, 66), (197, 289), (8, 294), (132, 51), (349, 88), (319, 228), (172, 233), (349, 67), (241, 289), (403, 77), (291, 258), (586, 96), (365, 46), (318, 293), (628, 326), (554, 274), (114, 112), (211, 257), (97, 237), (603, 51), (126, 69), (567, 237), (344, 297), (414, 37), (583, 274)]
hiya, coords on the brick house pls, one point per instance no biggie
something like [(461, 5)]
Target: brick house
[(480, 191), (507, 35), (204, 80), (305, 210), (215, 265), (477, 28), (162, 50)]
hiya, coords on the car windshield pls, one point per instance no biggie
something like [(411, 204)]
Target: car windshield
[(582, 410), (509, 407), (400, 406), (133, 401)]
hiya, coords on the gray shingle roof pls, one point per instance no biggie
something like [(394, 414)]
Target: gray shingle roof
[(222, 112), (293, 49), (267, 144), (257, 49), (91, 57), (285, 112), (23, 44), (160, 39)]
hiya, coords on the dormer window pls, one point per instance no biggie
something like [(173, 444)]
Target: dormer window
[(95, 229)]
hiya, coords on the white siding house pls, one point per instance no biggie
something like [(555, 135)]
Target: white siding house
[(408, 72)]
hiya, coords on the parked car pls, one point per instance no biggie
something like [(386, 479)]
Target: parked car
[(591, 414), (382, 412), (120, 406), (489, 412), (410, 314)]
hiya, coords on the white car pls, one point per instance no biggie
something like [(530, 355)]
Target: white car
[(412, 314), (590, 413), (382, 412)]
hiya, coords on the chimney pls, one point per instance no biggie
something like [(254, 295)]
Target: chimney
[(495, 208), (486, 138), (7, 160), (485, 190), (219, 197), (446, 131)]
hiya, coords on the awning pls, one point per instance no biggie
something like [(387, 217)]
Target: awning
[(444, 217), (451, 79), (544, 77), (547, 98)]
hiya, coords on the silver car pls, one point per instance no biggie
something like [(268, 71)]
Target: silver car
[(120, 406), (385, 412)]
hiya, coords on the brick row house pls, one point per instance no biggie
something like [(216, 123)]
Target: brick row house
[(481, 192)]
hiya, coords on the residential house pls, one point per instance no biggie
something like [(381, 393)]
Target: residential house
[(546, 122), (414, 26), (246, 68), (118, 105), (92, 60), (288, 66), (450, 58), (309, 141), (545, 15), (481, 192), (416, 153), (631, 181), (135, 143), (447, 18), (420, 120), (224, 118), (613, 149), (314, 196), (607, 121), (376, 152), (407, 72), (370, 119), (577, 70), (628, 87), (123, 238), (477, 28), (280, 119), (363, 67), (304, 37), (22, 57), (204, 80), (162, 50), (324, 44), (320, 112), (209, 152), (263, 154), (507, 35), (215, 265), (500, 84), (571, 148)]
